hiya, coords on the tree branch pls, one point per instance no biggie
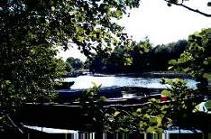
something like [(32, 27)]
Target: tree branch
[(189, 8), (13, 124)]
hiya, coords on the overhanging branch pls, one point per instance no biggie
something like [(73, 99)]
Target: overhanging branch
[(189, 8)]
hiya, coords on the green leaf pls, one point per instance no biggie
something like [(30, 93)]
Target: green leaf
[(166, 93)]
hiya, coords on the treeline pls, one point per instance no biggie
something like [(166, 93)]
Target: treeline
[(136, 57), (190, 56)]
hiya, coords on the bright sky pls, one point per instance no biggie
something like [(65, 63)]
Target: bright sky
[(162, 24)]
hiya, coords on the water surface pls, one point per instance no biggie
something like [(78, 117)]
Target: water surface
[(88, 81)]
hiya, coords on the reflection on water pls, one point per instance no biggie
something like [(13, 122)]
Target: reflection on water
[(87, 81)]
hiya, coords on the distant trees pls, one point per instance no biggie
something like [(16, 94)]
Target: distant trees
[(137, 57), (160, 55), (121, 59), (73, 64)]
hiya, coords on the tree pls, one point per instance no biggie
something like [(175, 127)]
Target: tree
[(195, 57), (87, 23), (30, 32), (160, 55), (74, 64), (128, 56), (27, 74), (137, 57)]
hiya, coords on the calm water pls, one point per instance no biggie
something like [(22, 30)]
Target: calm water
[(87, 81)]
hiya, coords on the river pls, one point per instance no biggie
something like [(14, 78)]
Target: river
[(87, 81)]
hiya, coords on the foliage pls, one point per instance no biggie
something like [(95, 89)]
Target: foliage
[(161, 54), (125, 57), (73, 64), (92, 106), (149, 118), (166, 93), (134, 56), (183, 102), (181, 96), (30, 31), (194, 59), (27, 73), (90, 24), (153, 116), (156, 116)]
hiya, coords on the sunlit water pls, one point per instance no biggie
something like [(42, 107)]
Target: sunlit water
[(88, 81)]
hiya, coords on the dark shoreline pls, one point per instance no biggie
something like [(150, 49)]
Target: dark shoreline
[(154, 74)]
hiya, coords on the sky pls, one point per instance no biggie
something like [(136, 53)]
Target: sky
[(160, 23)]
